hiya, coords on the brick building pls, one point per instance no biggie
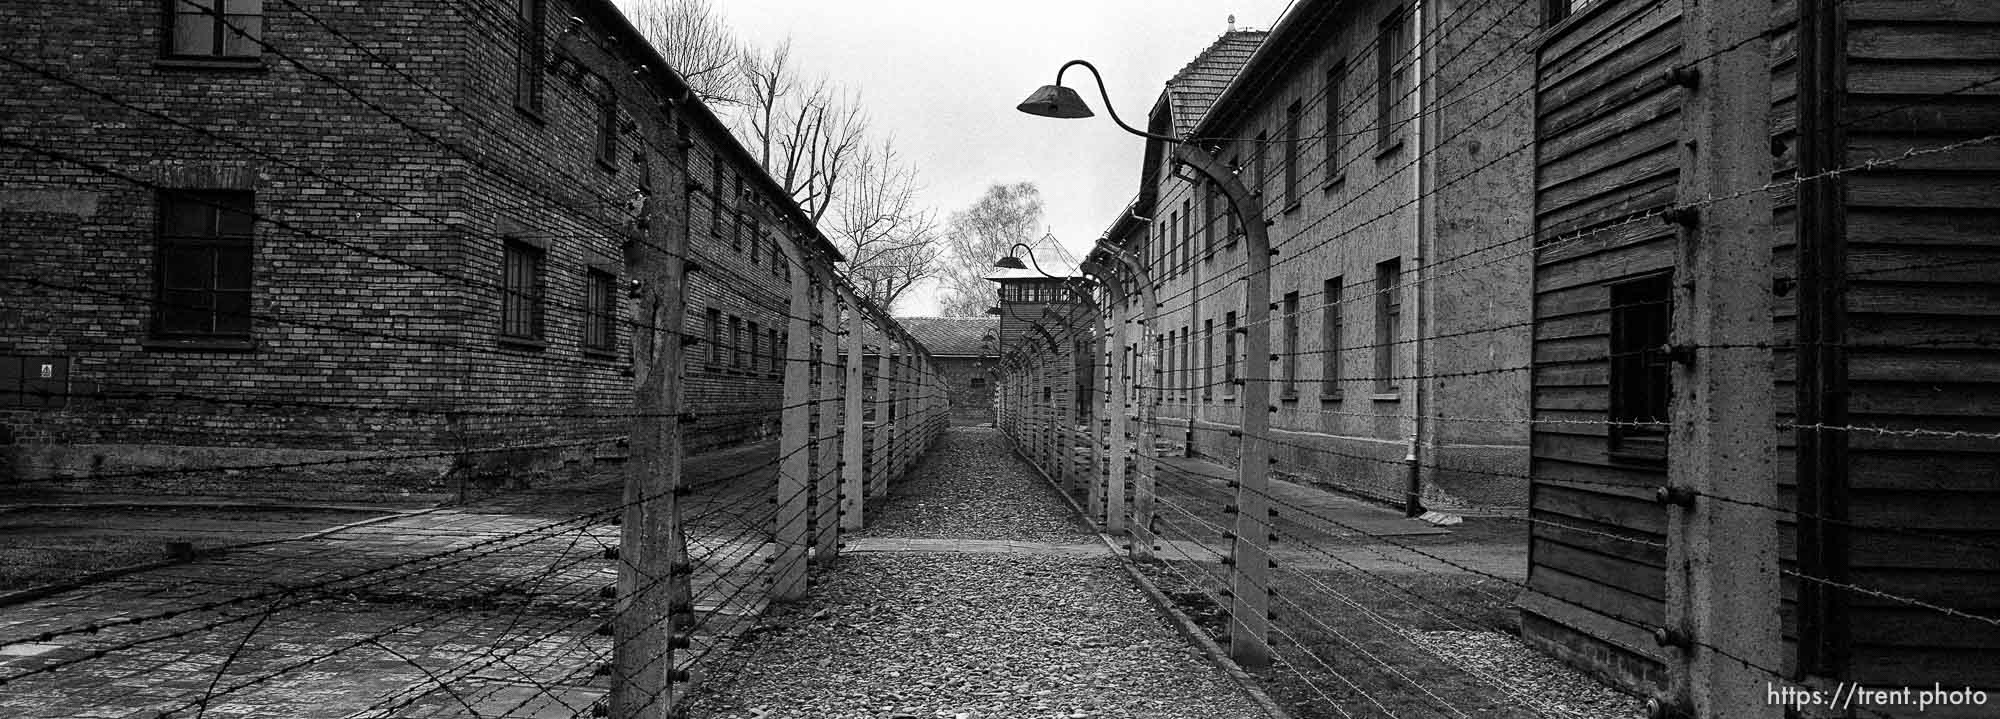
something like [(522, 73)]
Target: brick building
[(964, 350), (281, 232), (1366, 153)]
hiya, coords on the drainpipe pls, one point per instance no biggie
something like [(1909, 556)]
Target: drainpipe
[(1422, 181)]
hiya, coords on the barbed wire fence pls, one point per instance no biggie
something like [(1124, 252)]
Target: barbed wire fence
[(610, 596), (1373, 621)]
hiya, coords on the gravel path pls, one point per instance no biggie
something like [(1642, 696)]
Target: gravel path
[(972, 635)]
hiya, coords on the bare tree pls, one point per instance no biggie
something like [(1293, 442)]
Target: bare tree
[(891, 241), (981, 233), (694, 38), (807, 132)]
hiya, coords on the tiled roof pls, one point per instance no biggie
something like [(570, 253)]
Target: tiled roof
[(1197, 86), (946, 336)]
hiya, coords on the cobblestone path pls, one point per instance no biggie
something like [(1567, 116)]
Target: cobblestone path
[(973, 596)]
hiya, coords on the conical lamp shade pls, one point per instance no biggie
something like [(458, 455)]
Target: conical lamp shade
[(1055, 101)]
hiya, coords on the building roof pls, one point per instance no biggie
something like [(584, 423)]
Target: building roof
[(1195, 88), (954, 336)]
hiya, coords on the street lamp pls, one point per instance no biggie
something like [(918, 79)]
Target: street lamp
[(1249, 624), (1013, 262)]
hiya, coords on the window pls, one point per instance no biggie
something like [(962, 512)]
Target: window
[(777, 350), (777, 259), (736, 202), (1336, 123), (204, 263), (607, 128), (1392, 69), (1207, 358), (1555, 11), (756, 241), (1187, 233), (1388, 323), (529, 16), (714, 337), (1187, 362), (521, 290), (737, 355), (600, 315), (715, 197), (215, 28), (1289, 368), (1233, 222), (1229, 354), (1292, 154), (1331, 328), (1208, 203), (1261, 166), (755, 338), (979, 383), (1641, 328), (1172, 249)]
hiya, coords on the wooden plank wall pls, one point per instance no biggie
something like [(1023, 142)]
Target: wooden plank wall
[(1923, 333), (1608, 128)]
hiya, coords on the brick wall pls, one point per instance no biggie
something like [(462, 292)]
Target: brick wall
[(387, 179)]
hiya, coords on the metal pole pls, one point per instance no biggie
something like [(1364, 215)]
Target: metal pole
[(1722, 559)]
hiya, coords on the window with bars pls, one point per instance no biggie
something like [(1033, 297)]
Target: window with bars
[(1392, 76), (777, 351), (736, 202), (756, 241), (1208, 359), (1331, 332), (215, 29), (203, 280), (1187, 234), (1187, 363), (600, 316), (1641, 374), (1233, 223), (737, 355), (755, 337), (1209, 200), (1335, 126), (1292, 154), (715, 197), (1388, 322), (1288, 367), (1229, 351), (521, 290), (714, 337), (1260, 162), (530, 17), (1174, 241), (607, 128)]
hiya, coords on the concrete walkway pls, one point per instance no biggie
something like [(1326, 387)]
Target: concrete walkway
[(484, 610)]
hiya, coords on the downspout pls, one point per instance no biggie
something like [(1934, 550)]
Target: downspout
[(1419, 253)]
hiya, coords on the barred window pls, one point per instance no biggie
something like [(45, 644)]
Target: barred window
[(521, 291), (529, 16), (1292, 154), (1641, 378), (1392, 78), (600, 317), (1289, 369), (215, 28), (1388, 322), (1331, 329), (204, 266)]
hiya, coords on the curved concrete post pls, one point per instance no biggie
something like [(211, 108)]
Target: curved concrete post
[(1250, 575), (1142, 536)]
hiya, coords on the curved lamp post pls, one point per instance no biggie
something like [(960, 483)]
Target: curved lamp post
[(1249, 622)]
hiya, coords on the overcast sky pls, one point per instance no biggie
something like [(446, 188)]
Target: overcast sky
[(943, 77)]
